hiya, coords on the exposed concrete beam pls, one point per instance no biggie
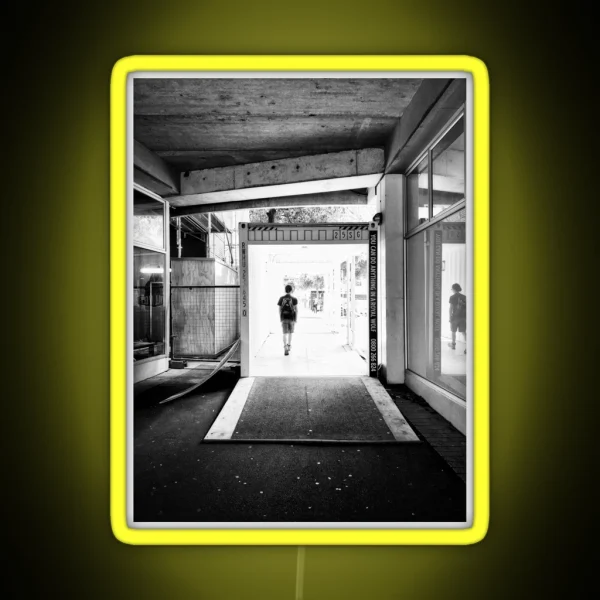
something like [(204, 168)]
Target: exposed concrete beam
[(276, 191), (341, 198), (432, 106), (353, 169), (427, 95), (152, 172)]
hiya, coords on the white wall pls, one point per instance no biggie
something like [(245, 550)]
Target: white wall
[(391, 280), (417, 305), (261, 299)]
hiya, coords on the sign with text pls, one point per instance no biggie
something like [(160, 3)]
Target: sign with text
[(373, 359), (244, 269), (322, 233)]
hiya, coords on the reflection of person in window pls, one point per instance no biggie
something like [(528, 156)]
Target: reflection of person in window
[(154, 290), (458, 314)]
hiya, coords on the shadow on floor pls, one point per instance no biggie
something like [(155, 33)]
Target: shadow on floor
[(179, 478)]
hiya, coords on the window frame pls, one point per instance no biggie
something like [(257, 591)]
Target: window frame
[(454, 208), (427, 153), (156, 197), (165, 250)]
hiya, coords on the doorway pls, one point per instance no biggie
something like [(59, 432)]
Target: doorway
[(332, 269)]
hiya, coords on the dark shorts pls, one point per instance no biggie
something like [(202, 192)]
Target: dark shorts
[(287, 326), (458, 325)]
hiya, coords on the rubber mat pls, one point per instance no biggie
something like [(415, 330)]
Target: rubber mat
[(310, 409)]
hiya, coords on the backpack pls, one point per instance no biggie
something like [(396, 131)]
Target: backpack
[(461, 307), (287, 307)]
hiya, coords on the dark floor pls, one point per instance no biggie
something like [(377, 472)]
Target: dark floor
[(447, 441), (179, 478)]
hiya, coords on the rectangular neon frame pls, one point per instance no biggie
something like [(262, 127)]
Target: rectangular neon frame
[(119, 253)]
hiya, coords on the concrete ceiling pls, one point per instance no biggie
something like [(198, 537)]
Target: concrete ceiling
[(206, 123)]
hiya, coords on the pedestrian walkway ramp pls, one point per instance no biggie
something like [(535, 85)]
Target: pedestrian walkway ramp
[(310, 410)]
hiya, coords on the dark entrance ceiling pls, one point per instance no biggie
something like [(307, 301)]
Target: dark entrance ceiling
[(204, 123)]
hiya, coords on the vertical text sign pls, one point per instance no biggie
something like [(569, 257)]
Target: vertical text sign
[(244, 279), (373, 303)]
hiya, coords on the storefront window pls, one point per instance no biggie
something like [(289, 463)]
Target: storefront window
[(417, 192), (148, 221), (148, 303), (448, 159), (438, 302)]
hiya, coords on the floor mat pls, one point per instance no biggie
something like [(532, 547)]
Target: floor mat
[(310, 409)]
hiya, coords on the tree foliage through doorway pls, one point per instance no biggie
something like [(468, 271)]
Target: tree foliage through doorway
[(312, 214)]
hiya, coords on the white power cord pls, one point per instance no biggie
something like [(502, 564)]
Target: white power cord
[(300, 573)]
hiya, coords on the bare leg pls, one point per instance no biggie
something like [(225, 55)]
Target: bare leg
[(453, 343)]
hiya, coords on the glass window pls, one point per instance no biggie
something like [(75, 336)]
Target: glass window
[(148, 221), (438, 303), (448, 160), (148, 303), (417, 196)]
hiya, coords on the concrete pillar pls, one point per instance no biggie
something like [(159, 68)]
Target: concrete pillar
[(390, 195)]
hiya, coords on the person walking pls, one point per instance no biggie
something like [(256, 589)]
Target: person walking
[(458, 314), (288, 315)]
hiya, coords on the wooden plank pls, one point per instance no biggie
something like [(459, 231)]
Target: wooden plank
[(224, 425), (225, 358), (301, 441), (340, 198), (154, 167), (193, 309), (193, 322), (285, 189), (333, 165), (392, 416), (193, 271)]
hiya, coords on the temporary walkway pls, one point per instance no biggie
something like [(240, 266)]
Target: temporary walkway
[(310, 410), (312, 354)]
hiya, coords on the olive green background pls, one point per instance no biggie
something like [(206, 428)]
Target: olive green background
[(56, 237)]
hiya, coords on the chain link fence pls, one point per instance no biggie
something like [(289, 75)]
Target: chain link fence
[(205, 320)]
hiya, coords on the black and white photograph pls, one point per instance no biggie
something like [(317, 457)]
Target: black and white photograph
[(300, 300)]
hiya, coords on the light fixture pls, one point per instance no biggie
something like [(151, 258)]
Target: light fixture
[(150, 270)]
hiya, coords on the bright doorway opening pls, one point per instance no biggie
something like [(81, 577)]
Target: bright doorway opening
[(331, 335)]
